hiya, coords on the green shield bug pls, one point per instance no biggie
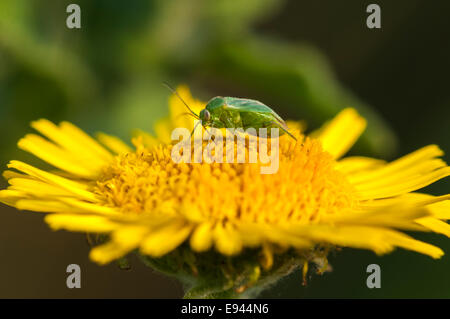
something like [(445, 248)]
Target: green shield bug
[(232, 112)]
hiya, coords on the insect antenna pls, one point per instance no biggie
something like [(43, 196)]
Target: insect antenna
[(181, 99), (187, 113)]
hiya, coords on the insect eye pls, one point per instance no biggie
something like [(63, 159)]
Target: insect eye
[(207, 115)]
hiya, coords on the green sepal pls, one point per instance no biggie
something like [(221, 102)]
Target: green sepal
[(213, 275)]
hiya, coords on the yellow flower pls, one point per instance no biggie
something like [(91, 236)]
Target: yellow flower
[(143, 200)]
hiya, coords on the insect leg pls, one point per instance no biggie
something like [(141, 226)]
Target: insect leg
[(213, 138), (192, 133), (290, 134), (286, 131), (207, 131)]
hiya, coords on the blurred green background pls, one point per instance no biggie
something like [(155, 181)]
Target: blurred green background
[(306, 59)]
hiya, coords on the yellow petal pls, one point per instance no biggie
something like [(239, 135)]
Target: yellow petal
[(147, 139), (78, 189), (411, 199), (380, 240), (10, 197), (37, 188), (165, 239), (11, 174), (115, 144), (399, 176), (401, 216), (254, 234), (68, 205), (82, 206), (44, 206), (346, 236), (339, 135), (108, 252), (227, 239), (202, 237), (57, 157), (85, 139), (82, 223), (402, 187), (406, 163), (130, 236), (163, 130), (69, 143), (440, 209), (436, 225), (406, 242), (358, 164)]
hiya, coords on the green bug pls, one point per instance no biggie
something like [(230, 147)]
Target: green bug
[(231, 112)]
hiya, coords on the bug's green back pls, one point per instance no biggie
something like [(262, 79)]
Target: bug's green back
[(231, 112), (243, 106)]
